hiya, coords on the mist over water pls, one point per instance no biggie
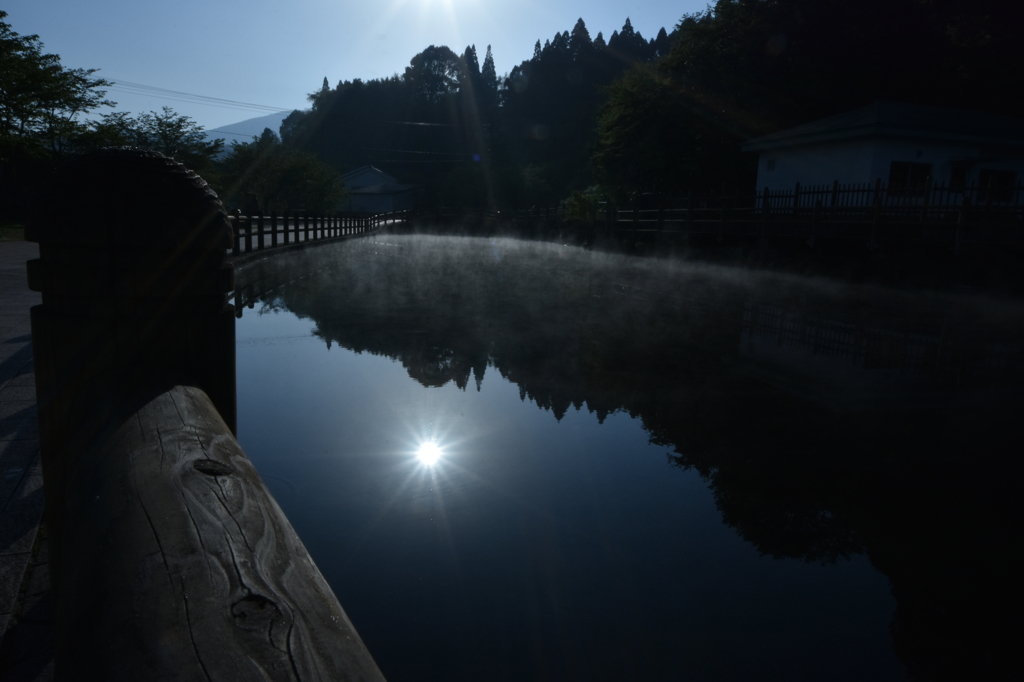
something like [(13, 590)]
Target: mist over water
[(732, 475)]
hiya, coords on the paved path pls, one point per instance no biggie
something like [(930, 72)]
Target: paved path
[(26, 651)]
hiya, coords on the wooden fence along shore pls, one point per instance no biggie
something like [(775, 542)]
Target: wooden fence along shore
[(869, 212), (876, 211), (259, 232)]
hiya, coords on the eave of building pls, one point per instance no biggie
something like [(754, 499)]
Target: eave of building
[(891, 120)]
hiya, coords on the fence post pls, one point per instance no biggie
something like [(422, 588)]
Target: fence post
[(927, 199), (273, 229), (143, 298), (168, 558), (876, 217), (815, 223), (236, 233), (765, 209), (636, 224), (963, 216), (724, 217), (260, 231)]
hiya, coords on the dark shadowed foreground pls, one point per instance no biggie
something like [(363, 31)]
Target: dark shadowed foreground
[(858, 440)]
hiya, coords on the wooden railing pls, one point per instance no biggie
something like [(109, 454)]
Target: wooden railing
[(258, 232), (864, 202), (169, 559)]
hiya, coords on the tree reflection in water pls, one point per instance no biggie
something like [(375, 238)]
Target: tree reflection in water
[(828, 420)]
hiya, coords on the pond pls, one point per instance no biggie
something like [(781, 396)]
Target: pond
[(525, 461)]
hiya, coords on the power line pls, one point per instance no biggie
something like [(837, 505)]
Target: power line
[(228, 132), (129, 87), (220, 101)]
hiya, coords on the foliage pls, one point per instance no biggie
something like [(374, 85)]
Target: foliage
[(666, 114), (41, 103), (434, 74), (654, 136), (745, 68), (172, 134), (450, 124), (40, 99), (583, 205), (266, 175)]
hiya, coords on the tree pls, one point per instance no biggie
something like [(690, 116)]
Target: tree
[(40, 99), (274, 176), (489, 76), (172, 134), (654, 137), (434, 73), (320, 96), (579, 40), (745, 68)]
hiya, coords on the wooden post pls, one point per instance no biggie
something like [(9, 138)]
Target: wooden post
[(236, 234), (765, 208), (273, 229), (927, 199), (169, 559), (815, 224), (129, 295), (724, 217), (260, 230), (636, 223), (962, 221), (876, 217), (835, 200), (185, 566)]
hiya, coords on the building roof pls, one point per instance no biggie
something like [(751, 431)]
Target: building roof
[(383, 188), (892, 119), (371, 176)]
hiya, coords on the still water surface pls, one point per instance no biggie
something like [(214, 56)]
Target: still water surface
[(520, 461)]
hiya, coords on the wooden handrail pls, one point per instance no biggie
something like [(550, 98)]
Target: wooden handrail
[(302, 228), (169, 559)]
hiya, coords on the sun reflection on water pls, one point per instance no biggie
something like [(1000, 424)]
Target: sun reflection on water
[(429, 453)]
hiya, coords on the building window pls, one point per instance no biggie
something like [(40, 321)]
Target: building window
[(909, 179), (996, 185), (770, 165)]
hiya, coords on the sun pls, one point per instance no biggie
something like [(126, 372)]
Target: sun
[(429, 453)]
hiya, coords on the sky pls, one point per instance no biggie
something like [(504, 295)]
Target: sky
[(273, 54)]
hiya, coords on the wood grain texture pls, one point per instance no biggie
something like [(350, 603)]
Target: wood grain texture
[(185, 568)]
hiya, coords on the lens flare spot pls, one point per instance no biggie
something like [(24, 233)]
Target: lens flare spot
[(429, 453)]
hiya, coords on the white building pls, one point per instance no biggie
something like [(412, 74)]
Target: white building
[(903, 145), (371, 190)]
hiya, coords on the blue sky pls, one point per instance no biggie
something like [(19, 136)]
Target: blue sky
[(273, 54)]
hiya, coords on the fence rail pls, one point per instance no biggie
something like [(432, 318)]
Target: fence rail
[(850, 203), (258, 232)]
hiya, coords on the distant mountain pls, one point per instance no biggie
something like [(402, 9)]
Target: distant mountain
[(244, 131)]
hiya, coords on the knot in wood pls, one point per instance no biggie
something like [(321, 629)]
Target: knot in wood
[(212, 468)]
